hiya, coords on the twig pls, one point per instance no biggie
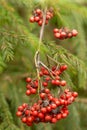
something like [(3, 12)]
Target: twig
[(37, 54)]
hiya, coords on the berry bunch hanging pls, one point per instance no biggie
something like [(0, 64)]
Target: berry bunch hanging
[(48, 107), (64, 33), (38, 16)]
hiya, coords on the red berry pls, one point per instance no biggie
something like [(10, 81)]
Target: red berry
[(47, 118), (33, 91), (36, 19), (57, 35), (74, 32), (50, 98), (53, 120), (24, 119), (30, 119), (75, 94), (64, 115), (47, 91), (59, 116), (66, 91), (42, 95), (24, 105), (56, 30), (47, 78), (53, 106), (41, 73), (27, 112), (64, 67), (69, 35), (18, 113), (28, 92), (28, 86), (28, 80), (40, 22), (57, 102), (63, 34), (32, 19), (49, 109), (62, 102), (48, 17), (35, 113), (63, 83), (45, 72), (53, 82), (38, 11), (41, 115), (57, 82), (43, 110), (45, 84), (20, 108)]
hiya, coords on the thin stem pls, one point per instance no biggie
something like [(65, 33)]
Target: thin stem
[(37, 54), (49, 70), (42, 28)]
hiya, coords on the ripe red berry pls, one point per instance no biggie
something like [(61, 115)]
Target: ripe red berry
[(74, 32), (48, 17), (27, 112), (57, 35), (18, 113), (53, 120), (63, 34), (57, 82), (28, 80), (53, 106), (62, 68), (20, 108), (56, 30), (35, 113), (47, 78), (40, 22), (41, 115), (49, 108), (28, 92), (45, 84), (75, 94), (47, 91), (38, 11), (24, 105), (64, 115), (47, 118), (43, 110), (42, 95), (53, 82), (63, 83), (69, 35), (28, 86), (30, 119), (33, 91), (24, 119), (32, 19), (59, 116), (57, 102), (36, 19)]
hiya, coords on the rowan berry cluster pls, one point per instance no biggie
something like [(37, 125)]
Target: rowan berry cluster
[(48, 108), (64, 33), (38, 16)]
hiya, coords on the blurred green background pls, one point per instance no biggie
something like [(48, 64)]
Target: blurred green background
[(18, 42)]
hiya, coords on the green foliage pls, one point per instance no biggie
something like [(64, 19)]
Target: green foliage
[(18, 43)]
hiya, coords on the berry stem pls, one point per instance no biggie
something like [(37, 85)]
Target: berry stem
[(50, 71), (37, 54)]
